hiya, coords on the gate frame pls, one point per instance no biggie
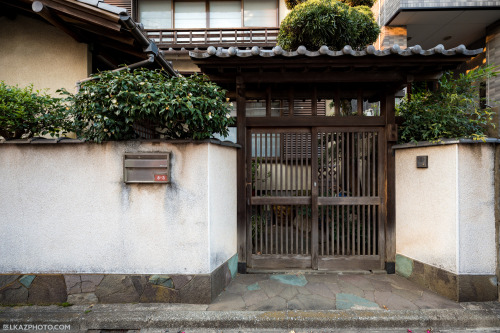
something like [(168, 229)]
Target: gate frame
[(252, 74)]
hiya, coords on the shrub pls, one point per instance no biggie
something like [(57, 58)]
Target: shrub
[(108, 107), (328, 22), (452, 111), (25, 113)]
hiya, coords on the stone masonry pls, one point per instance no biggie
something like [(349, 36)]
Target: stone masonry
[(45, 289)]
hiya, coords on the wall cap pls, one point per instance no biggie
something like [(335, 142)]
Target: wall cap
[(443, 142), (45, 141)]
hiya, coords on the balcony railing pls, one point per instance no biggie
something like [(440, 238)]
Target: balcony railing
[(202, 38)]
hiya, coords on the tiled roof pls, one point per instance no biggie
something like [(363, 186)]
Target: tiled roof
[(324, 50)]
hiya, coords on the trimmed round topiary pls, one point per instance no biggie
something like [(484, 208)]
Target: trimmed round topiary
[(328, 22)]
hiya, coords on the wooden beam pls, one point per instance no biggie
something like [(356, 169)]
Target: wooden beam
[(45, 12), (315, 121), (93, 15), (290, 77), (83, 8)]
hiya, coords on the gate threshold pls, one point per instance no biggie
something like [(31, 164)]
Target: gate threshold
[(314, 271)]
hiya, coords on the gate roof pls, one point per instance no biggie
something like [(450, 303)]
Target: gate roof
[(368, 69)]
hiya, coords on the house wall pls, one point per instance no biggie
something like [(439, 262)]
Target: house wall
[(35, 52), (445, 219), (493, 58), (68, 211)]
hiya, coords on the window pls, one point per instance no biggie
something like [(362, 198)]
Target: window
[(190, 14), (155, 14), (167, 14), (260, 13), (225, 14)]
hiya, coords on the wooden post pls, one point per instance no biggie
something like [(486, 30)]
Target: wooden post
[(390, 176), (241, 175)]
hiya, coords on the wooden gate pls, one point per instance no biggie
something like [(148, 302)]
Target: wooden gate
[(316, 198)]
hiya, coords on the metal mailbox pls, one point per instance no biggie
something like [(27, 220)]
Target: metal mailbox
[(152, 168)]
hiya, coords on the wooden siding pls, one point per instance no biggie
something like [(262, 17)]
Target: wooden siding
[(127, 4)]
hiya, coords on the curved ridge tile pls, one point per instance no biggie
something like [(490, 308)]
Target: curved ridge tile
[(313, 53), (244, 53), (324, 50)]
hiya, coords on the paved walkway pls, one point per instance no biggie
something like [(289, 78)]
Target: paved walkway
[(278, 292), (279, 303)]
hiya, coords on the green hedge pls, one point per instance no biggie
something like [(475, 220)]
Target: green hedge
[(108, 107), (452, 111), (25, 113)]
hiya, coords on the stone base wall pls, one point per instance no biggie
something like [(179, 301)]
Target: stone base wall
[(46, 289), (460, 288)]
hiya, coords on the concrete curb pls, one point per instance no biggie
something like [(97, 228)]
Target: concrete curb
[(153, 316)]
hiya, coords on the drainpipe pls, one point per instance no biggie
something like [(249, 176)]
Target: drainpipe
[(147, 45)]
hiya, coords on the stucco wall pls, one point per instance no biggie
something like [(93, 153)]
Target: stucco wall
[(426, 206), (445, 213), (65, 209), (476, 186), (222, 207), (33, 51)]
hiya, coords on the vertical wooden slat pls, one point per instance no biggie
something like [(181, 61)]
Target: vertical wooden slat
[(358, 192), (363, 165), (337, 174), (314, 199), (273, 176), (261, 182), (343, 152), (290, 102), (321, 185), (329, 174), (382, 187), (248, 195)]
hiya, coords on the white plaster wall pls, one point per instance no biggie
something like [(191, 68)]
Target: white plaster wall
[(426, 206), (445, 215), (476, 181), (65, 208), (33, 51), (222, 204)]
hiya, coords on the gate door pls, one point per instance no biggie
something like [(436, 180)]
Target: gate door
[(315, 198)]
